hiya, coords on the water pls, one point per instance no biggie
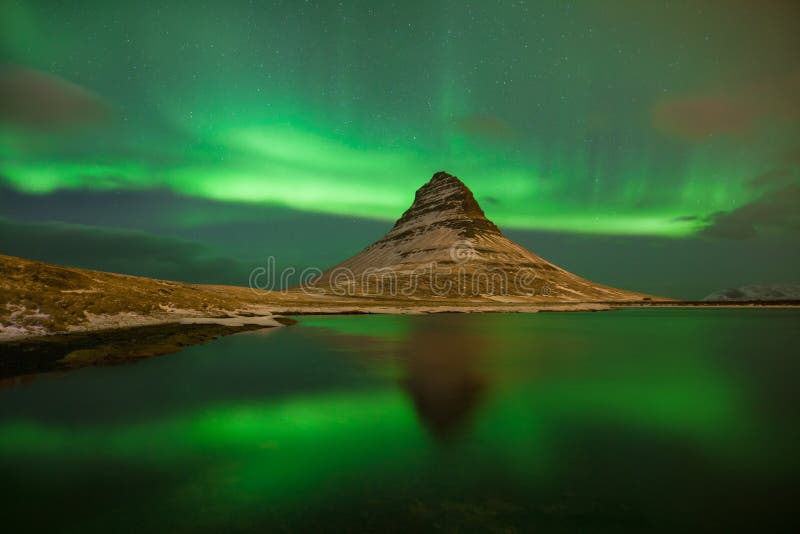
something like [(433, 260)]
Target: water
[(633, 420)]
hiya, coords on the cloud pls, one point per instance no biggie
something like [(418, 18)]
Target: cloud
[(774, 212), (35, 99), (487, 126), (120, 251), (773, 178), (739, 111), (699, 117), (792, 156), (199, 228)]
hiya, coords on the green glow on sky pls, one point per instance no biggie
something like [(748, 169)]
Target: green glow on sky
[(305, 171), (550, 115), (46, 177)]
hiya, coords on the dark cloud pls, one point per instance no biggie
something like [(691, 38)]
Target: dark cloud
[(39, 100), (775, 211), (773, 178), (685, 218), (120, 251), (247, 232), (739, 111), (792, 156), (486, 126), (696, 118)]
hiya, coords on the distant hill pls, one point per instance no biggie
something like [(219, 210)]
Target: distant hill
[(756, 292)]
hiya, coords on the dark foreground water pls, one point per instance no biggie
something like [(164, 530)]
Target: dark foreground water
[(637, 420)]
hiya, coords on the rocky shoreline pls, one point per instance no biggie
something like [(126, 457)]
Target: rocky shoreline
[(100, 344), (114, 346)]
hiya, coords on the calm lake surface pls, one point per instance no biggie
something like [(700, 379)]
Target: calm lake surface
[(633, 420)]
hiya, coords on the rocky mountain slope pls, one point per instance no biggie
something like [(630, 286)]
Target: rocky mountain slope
[(444, 246)]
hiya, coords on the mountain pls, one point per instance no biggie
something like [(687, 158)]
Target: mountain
[(756, 292), (444, 246), (442, 255)]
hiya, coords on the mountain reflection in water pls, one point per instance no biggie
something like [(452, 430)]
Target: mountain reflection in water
[(444, 378)]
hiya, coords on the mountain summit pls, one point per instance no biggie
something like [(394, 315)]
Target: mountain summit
[(444, 246), (444, 202)]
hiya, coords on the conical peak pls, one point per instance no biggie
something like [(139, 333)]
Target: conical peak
[(443, 181), (443, 176), (444, 246), (446, 201)]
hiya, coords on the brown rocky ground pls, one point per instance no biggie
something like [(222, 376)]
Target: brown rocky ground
[(41, 299), (38, 298)]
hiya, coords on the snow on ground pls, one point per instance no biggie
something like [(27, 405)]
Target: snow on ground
[(233, 321)]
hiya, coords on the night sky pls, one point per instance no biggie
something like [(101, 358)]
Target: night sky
[(649, 145)]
